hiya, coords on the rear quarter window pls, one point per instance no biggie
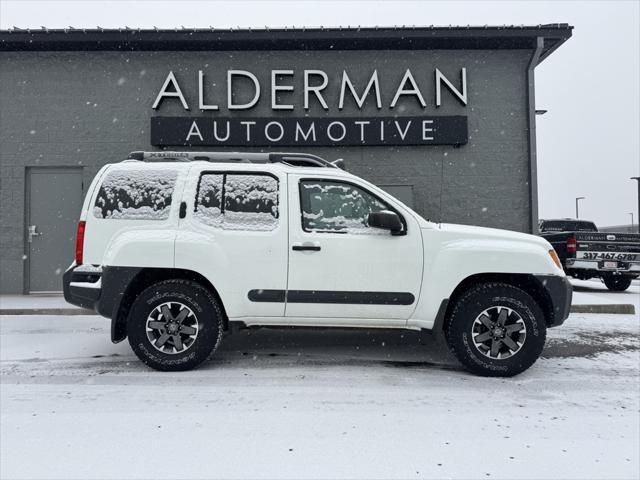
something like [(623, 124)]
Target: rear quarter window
[(135, 195)]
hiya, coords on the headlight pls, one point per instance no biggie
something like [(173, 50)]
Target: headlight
[(555, 258)]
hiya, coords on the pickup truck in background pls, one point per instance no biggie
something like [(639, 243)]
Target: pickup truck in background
[(586, 253)]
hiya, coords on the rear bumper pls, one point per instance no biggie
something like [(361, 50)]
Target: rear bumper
[(97, 288), (82, 286), (560, 292), (102, 290), (631, 268)]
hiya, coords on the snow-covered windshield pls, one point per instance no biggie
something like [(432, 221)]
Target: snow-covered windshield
[(250, 201), (136, 195)]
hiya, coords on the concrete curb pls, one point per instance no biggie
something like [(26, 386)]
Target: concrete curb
[(46, 311), (618, 308)]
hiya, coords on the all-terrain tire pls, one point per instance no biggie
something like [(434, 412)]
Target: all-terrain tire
[(203, 314), (464, 324), (617, 283)]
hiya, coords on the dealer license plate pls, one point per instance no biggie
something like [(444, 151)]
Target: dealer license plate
[(610, 265)]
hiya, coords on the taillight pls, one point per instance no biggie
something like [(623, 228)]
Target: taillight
[(80, 242), (571, 245)]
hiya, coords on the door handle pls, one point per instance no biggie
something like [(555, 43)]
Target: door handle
[(305, 247), (32, 233)]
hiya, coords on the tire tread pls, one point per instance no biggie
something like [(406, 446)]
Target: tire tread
[(485, 290), (197, 290)]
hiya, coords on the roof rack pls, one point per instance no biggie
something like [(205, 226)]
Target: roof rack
[(291, 159)]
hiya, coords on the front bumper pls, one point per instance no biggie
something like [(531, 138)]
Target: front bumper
[(560, 292)]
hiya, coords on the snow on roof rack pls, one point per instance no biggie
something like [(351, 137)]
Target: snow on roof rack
[(291, 159)]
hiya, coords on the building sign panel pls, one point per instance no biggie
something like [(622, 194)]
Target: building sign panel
[(307, 131)]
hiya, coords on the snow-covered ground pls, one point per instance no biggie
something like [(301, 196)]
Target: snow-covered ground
[(594, 292), (316, 404)]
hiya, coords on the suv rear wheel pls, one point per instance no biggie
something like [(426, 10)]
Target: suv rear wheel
[(175, 325), (496, 329)]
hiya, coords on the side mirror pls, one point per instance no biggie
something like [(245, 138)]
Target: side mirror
[(386, 220)]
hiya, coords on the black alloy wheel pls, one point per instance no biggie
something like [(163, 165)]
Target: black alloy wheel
[(175, 325), (495, 329)]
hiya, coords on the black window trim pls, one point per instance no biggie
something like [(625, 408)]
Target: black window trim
[(224, 174), (353, 184)]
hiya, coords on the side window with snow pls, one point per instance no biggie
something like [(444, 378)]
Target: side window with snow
[(135, 195), (333, 206), (237, 201)]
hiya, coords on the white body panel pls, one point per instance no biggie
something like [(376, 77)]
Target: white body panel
[(453, 253), (236, 261), (429, 262), (376, 262), (89, 197), (133, 242)]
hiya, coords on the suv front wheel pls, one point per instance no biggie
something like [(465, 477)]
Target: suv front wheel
[(175, 325), (496, 329)]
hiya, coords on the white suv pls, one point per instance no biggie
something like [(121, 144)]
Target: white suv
[(175, 246)]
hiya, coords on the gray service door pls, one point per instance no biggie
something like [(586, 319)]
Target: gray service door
[(54, 202)]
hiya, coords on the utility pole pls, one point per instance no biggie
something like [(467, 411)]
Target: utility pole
[(631, 213), (637, 179), (577, 199)]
